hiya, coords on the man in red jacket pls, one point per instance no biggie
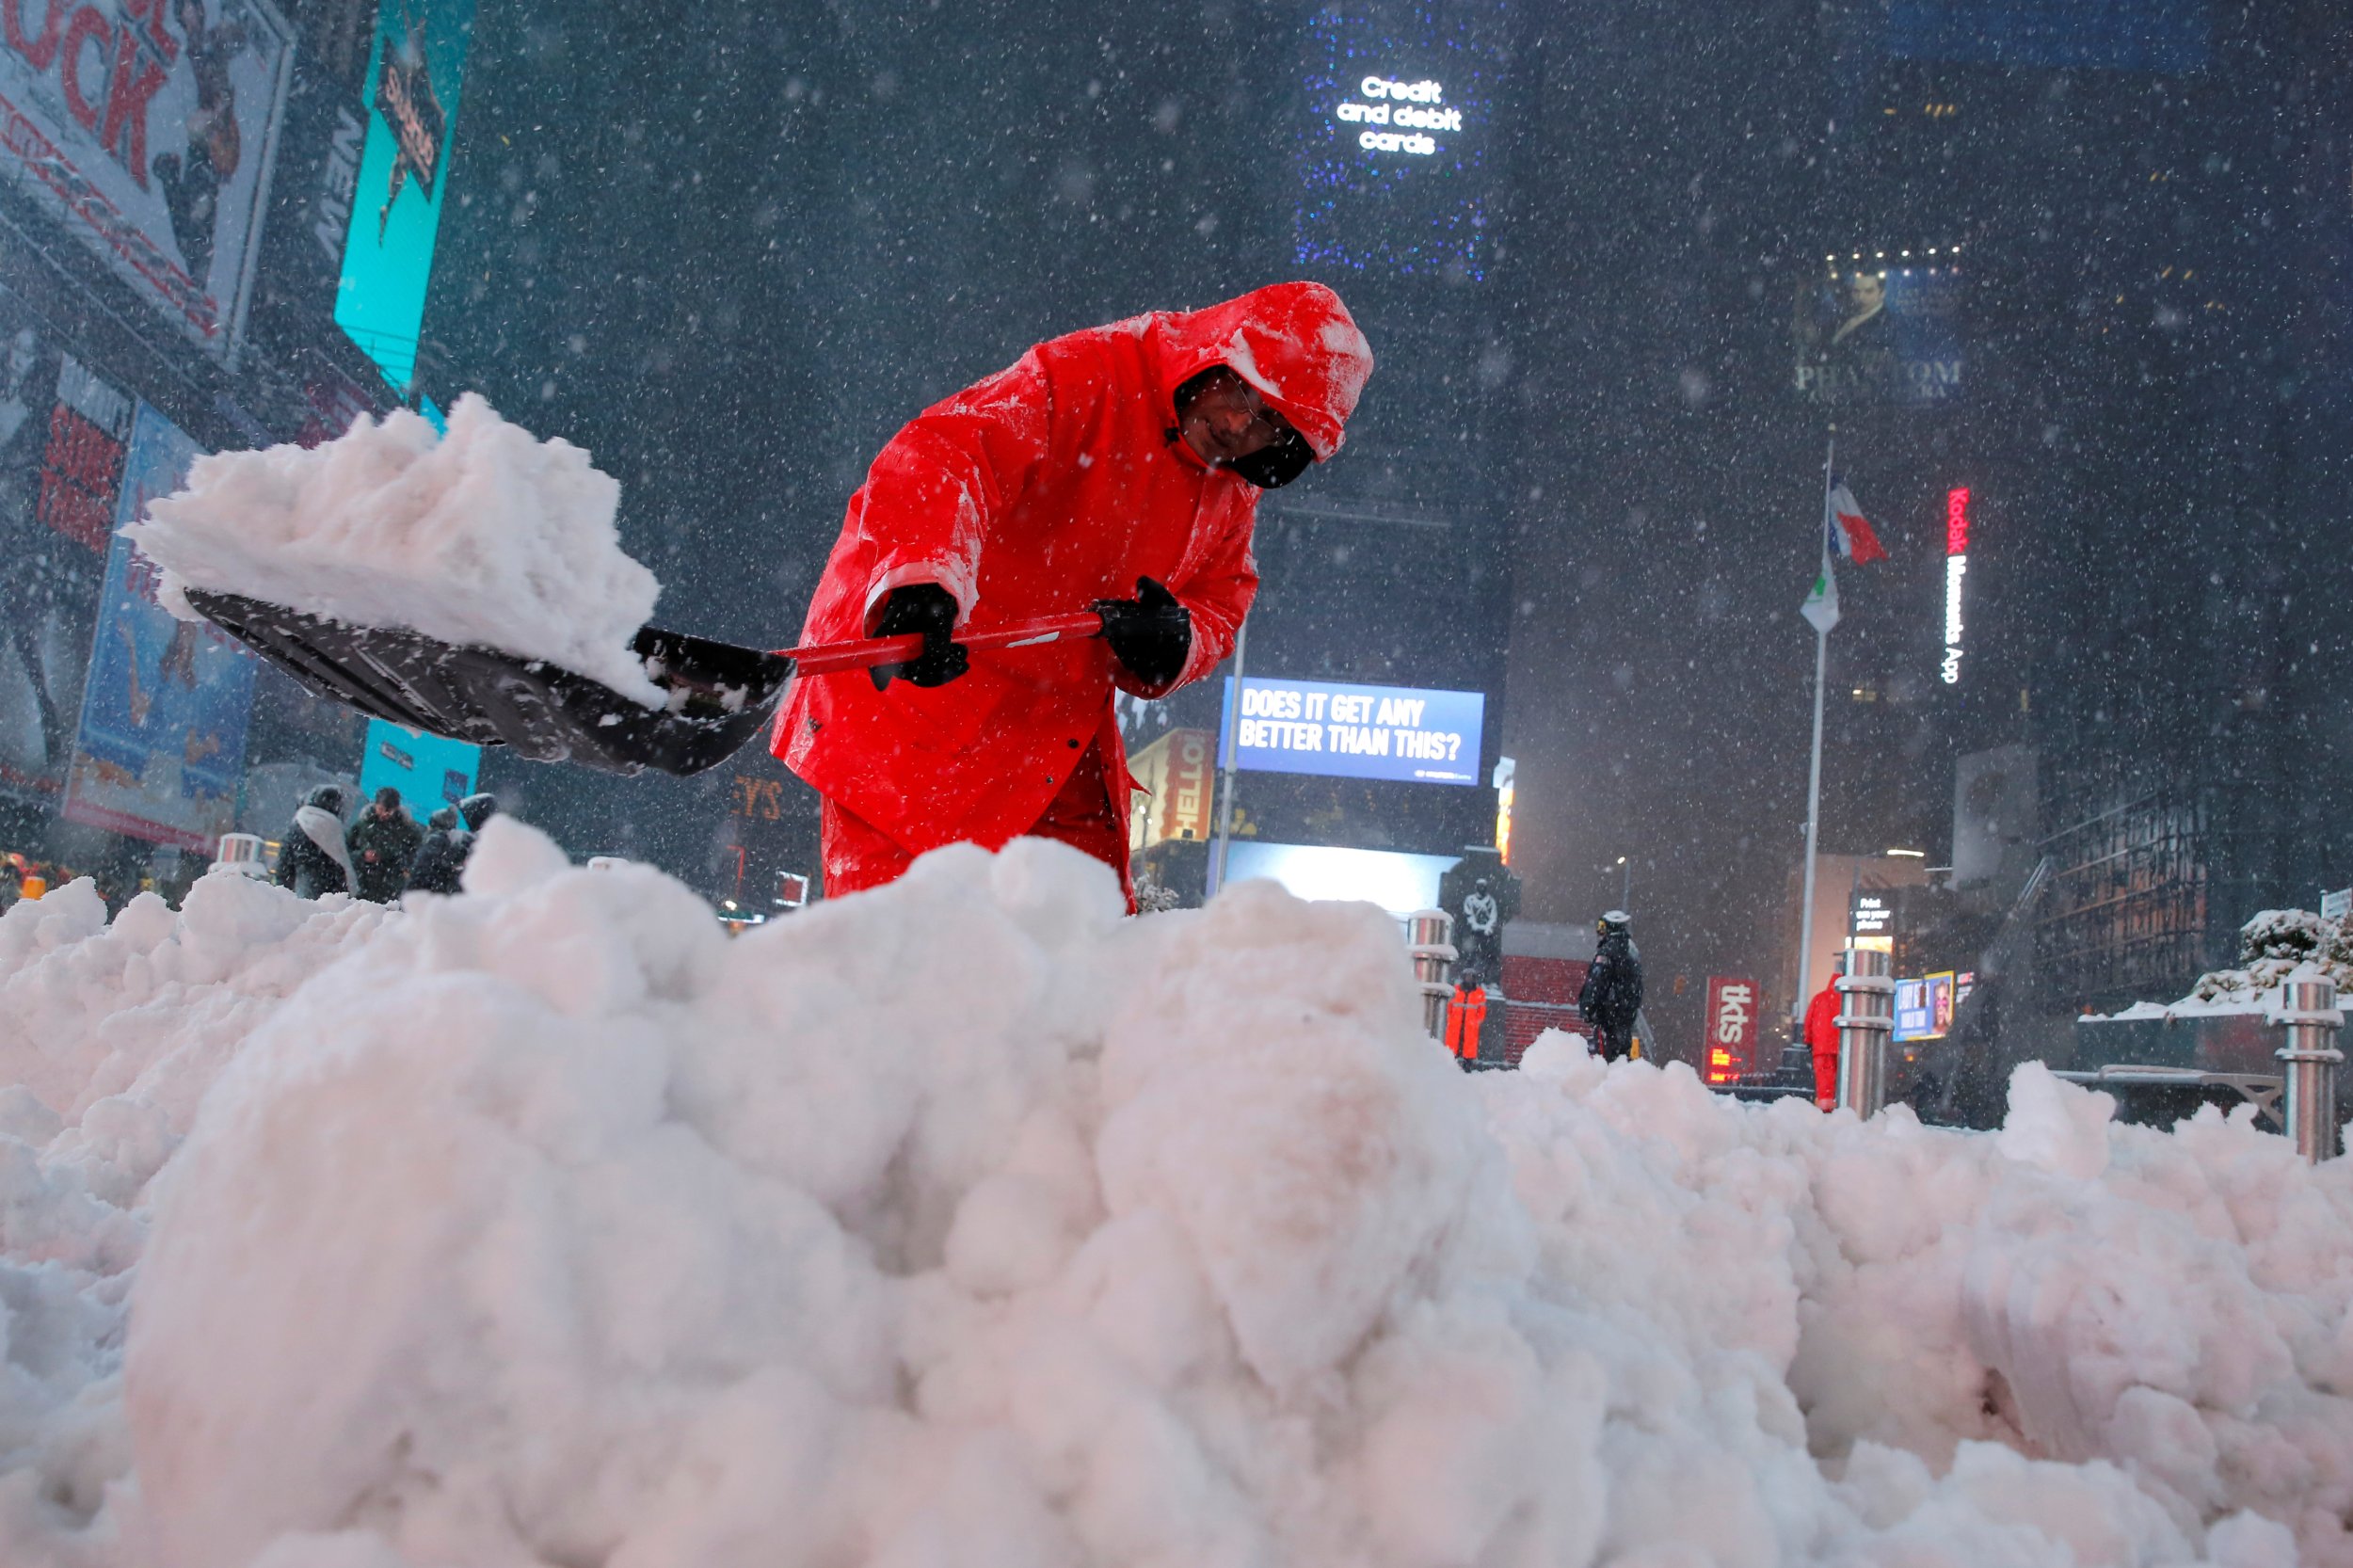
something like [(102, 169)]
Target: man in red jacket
[(1822, 1037), (1117, 467)]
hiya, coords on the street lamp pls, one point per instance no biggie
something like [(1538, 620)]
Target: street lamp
[(1626, 889)]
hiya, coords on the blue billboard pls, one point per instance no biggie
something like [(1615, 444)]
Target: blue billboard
[(160, 753), (428, 770), (1398, 109), (412, 80), (1337, 731)]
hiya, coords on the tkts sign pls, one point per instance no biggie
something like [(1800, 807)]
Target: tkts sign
[(148, 127), (1732, 1007)]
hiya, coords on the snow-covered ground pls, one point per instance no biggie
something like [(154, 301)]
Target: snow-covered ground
[(487, 535), (964, 1223)]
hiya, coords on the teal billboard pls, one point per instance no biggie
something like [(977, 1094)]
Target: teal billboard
[(429, 771), (411, 87)]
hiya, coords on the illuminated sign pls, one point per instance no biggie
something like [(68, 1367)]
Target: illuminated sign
[(1387, 104), (413, 74), (1506, 770), (428, 770), (1393, 124), (1871, 923), (1396, 882), (1956, 568), (1732, 1015), (1924, 1007), (1176, 770), (1343, 731)]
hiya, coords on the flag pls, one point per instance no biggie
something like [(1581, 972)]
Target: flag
[(1850, 532), (1821, 608)]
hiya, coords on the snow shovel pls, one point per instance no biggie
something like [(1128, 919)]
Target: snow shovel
[(720, 694)]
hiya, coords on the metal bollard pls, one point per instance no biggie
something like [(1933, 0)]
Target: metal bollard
[(1430, 938), (2308, 1062), (1866, 1016)]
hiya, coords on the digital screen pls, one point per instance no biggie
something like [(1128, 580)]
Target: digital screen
[(429, 771), (1337, 731), (1399, 883), (1396, 126), (2170, 36), (411, 87), (1924, 1007)]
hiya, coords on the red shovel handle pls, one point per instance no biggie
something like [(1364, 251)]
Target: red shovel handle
[(827, 658)]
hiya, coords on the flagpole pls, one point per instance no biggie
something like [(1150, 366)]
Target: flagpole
[(1814, 773)]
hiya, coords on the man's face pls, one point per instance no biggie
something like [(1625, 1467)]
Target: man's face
[(1869, 291), (1228, 420)]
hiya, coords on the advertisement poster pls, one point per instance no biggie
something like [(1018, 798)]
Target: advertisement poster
[(1337, 731), (1397, 110), (411, 84), (62, 430), (1872, 333), (148, 127), (161, 749), (429, 771)]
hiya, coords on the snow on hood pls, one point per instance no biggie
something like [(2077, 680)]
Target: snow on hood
[(485, 535), (1296, 342), (964, 1222)]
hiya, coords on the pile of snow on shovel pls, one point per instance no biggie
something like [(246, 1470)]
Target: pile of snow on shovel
[(485, 535)]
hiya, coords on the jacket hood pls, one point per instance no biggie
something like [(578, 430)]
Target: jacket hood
[(477, 810), (1296, 342), (326, 797)]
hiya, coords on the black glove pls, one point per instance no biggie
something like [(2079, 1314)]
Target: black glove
[(928, 608), (1151, 634)]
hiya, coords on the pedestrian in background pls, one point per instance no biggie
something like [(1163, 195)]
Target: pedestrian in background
[(313, 858), (441, 858), (383, 844), (1611, 997)]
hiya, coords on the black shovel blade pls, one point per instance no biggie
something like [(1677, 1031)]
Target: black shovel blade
[(721, 694)]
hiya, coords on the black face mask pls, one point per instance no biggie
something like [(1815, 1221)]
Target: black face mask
[(1275, 466)]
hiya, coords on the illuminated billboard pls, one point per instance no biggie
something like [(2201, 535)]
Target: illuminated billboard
[(1879, 328), (412, 81), (428, 770), (148, 128), (1337, 731), (160, 753), (1924, 1007), (1399, 883), (1397, 109)]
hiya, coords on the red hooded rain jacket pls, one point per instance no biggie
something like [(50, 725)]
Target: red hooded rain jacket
[(1052, 483)]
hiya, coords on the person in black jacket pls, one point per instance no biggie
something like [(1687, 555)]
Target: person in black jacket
[(1613, 993), (442, 858), (313, 858), (383, 842)]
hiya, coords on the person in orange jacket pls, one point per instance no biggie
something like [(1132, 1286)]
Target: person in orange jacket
[(1116, 469), (1466, 1017), (1822, 1037)]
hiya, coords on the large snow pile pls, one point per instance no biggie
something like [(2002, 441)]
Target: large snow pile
[(966, 1223), (485, 536)]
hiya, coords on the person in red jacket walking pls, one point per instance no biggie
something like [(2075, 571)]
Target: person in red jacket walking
[(1822, 1037), (1117, 467)]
